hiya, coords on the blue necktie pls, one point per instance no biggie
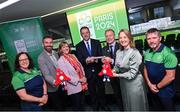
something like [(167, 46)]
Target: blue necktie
[(88, 48), (111, 51)]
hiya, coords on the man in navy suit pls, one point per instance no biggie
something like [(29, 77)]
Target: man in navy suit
[(110, 52), (87, 50)]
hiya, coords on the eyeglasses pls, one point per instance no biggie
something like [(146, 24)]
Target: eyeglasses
[(26, 59)]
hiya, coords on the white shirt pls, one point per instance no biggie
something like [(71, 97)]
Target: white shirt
[(53, 58), (113, 46), (89, 41)]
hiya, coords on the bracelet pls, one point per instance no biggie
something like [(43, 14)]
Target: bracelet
[(45, 94)]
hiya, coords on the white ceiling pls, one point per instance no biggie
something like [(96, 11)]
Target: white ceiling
[(33, 8)]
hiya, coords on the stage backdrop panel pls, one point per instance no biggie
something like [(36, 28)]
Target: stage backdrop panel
[(22, 35), (98, 17)]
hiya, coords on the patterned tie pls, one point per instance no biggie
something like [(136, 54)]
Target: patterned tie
[(111, 51), (88, 48)]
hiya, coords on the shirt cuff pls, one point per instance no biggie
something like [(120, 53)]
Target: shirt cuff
[(112, 61)]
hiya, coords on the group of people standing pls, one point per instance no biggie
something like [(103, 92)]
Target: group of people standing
[(37, 89)]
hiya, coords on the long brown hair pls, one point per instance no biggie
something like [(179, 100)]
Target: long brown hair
[(128, 34)]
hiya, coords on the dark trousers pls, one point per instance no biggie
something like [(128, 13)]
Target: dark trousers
[(78, 101), (56, 100), (96, 90), (161, 103), (30, 106), (115, 83)]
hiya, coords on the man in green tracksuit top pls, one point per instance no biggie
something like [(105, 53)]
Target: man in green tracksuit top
[(159, 71)]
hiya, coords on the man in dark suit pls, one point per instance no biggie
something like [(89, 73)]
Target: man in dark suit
[(87, 50), (47, 61), (110, 52)]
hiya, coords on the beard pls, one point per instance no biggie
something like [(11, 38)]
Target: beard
[(48, 48), (153, 46)]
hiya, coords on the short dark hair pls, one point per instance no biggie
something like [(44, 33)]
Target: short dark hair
[(153, 30), (17, 65), (109, 30), (47, 36), (84, 27)]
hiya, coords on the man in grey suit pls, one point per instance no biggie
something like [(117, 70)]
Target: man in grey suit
[(47, 61)]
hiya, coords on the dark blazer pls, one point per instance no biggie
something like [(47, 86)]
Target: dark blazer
[(114, 81), (82, 54), (106, 50)]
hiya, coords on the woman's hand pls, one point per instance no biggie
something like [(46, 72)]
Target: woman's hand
[(41, 104), (153, 88), (115, 74), (83, 80), (45, 97), (43, 100)]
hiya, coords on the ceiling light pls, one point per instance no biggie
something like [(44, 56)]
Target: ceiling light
[(8, 3)]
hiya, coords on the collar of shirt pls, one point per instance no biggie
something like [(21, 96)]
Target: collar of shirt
[(89, 41), (52, 57), (113, 45), (21, 71)]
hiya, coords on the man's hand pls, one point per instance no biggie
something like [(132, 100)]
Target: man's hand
[(107, 59), (89, 60), (153, 88)]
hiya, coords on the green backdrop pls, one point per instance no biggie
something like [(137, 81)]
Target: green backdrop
[(98, 17), (22, 35)]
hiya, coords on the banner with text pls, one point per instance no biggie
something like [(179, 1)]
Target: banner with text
[(98, 17), (22, 36)]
